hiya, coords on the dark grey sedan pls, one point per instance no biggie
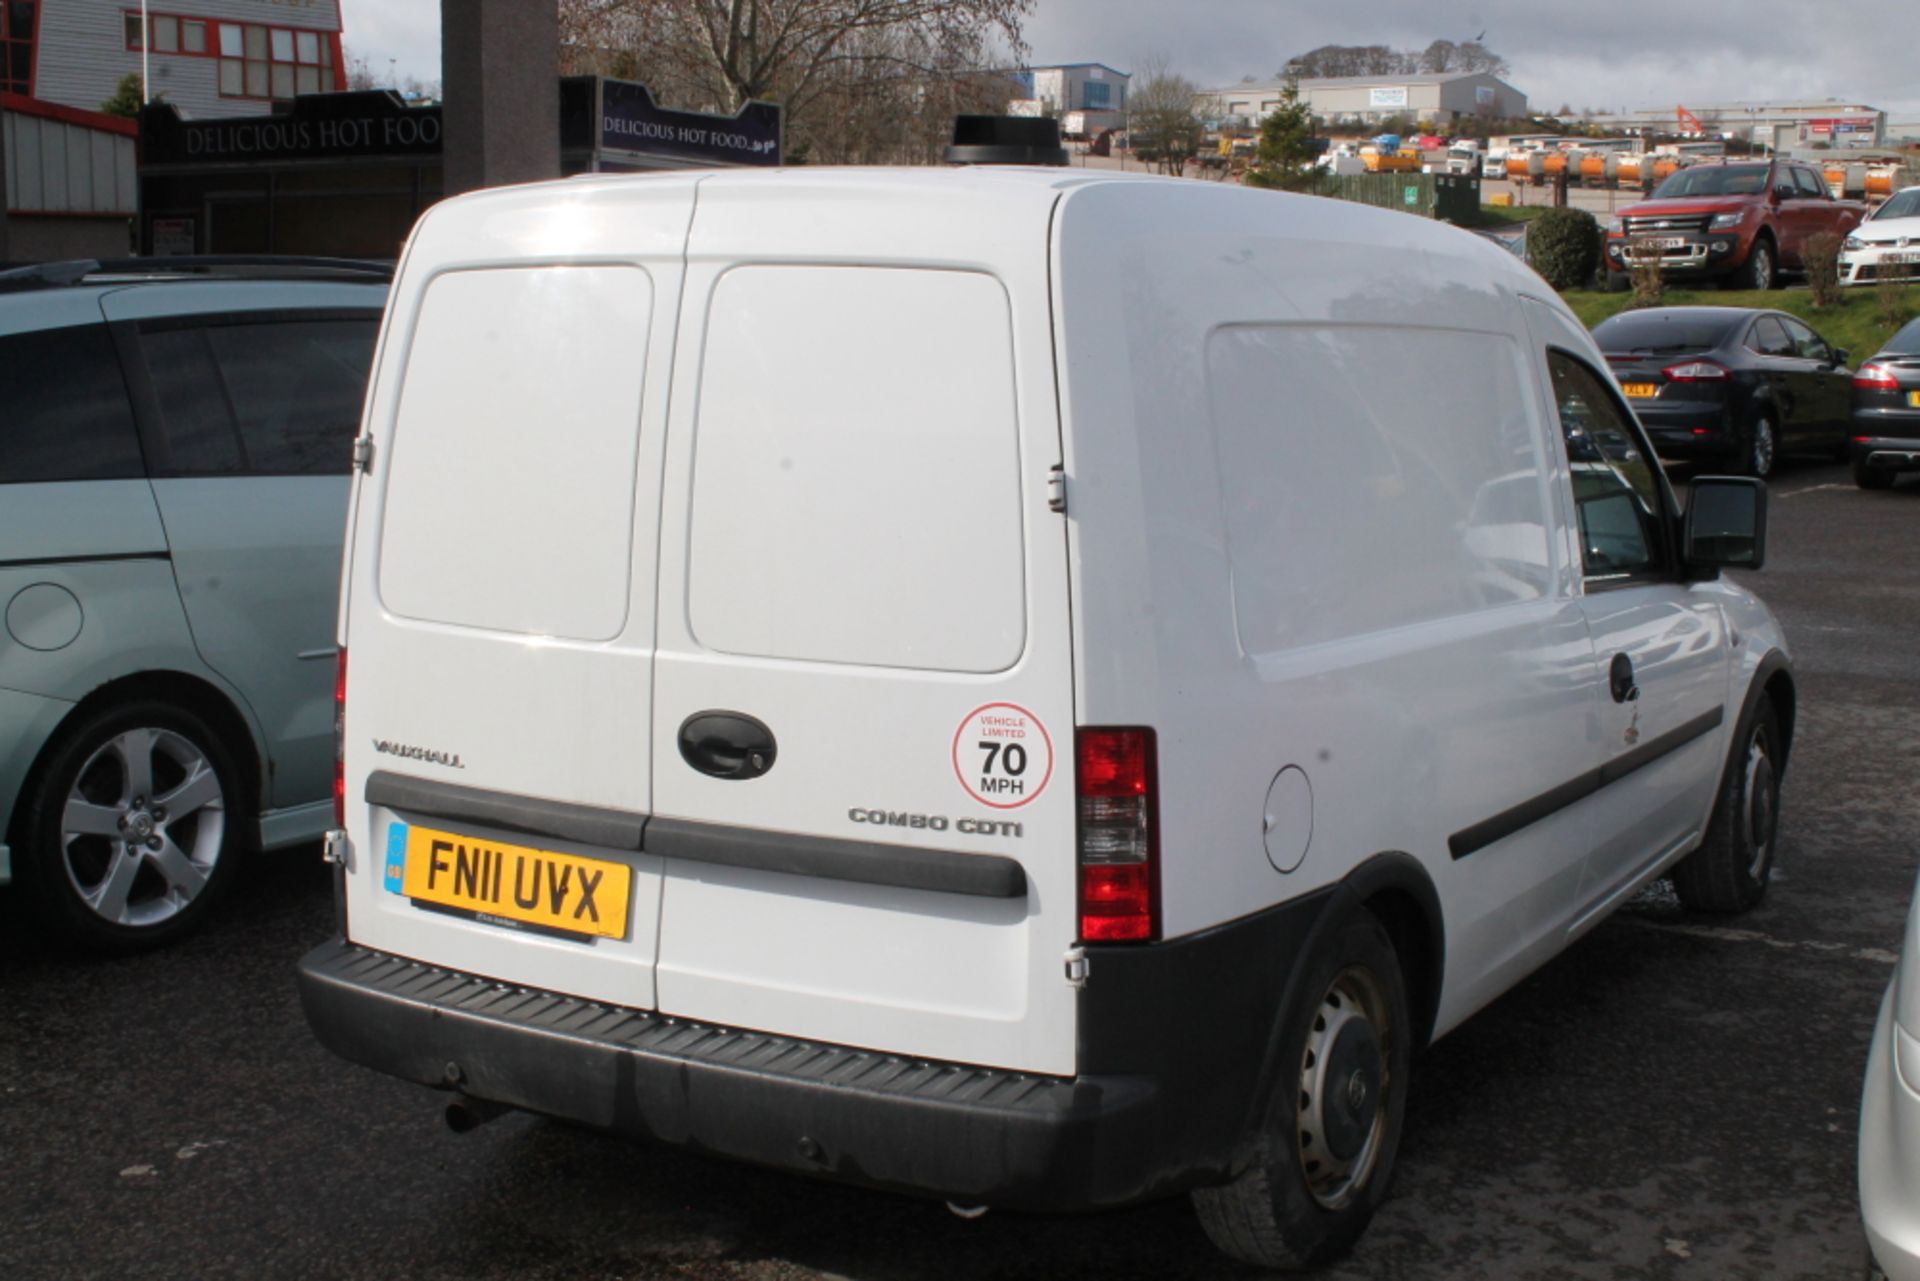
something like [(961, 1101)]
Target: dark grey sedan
[(1731, 386), (1886, 411)]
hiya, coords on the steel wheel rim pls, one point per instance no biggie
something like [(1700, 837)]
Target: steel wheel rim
[(1354, 1007), (1757, 816), (142, 827), (1762, 446)]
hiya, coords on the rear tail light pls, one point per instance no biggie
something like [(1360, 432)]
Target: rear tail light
[(340, 739), (1696, 371), (1119, 840), (1875, 378)]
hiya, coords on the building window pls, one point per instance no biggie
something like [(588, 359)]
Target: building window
[(1096, 95), (256, 61), (16, 45)]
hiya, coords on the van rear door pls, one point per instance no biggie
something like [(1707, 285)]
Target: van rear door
[(863, 716), (501, 595)]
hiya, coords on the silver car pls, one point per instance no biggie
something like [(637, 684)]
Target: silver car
[(1890, 1119), (174, 449)]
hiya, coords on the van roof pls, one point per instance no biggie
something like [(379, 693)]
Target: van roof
[(1021, 193)]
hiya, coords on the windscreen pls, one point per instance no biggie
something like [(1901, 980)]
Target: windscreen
[(1714, 180), (1902, 204), (1626, 334)]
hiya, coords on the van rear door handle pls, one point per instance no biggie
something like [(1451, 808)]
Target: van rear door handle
[(727, 745), (1620, 679)]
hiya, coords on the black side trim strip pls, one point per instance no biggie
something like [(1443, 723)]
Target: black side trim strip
[(610, 829), (1469, 840), (944, 871), (83, 560), (949, 872)]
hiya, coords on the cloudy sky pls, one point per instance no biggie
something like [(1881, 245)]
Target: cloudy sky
[(1621, 53)]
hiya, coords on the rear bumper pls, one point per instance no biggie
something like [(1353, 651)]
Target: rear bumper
[(1688, 429), (1186, 1051), (1885, 438)]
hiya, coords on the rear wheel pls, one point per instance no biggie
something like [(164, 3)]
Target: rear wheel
[(1868, 476), (1730, 871), (1326, 1150), (1757, 450), (130, 827)]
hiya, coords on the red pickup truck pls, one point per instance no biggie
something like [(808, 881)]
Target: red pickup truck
[(1742, 223)]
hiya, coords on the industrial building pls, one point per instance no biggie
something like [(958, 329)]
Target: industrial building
[(1777, 126), (1085, 96), (1435, 99)]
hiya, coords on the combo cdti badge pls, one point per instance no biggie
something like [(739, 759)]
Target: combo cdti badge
[(1032, 688)]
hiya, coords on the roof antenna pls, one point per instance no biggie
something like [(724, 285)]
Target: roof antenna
[(1006, 140)]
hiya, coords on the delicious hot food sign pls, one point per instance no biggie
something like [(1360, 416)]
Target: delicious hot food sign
[(632, 123)]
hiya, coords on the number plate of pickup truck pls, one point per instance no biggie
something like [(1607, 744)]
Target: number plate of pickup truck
[(1642, 243)]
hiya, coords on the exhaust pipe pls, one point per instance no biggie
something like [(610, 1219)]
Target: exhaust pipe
[(465, 1115)]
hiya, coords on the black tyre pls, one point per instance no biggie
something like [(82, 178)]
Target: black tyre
[(1327, 1147), (1760, 270), (1758, 447), (131, 827), (1614, 282), (1870, 477), (1730, 871)]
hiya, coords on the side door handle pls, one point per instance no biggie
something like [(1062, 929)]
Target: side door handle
[(1620, 679), (727, 745)]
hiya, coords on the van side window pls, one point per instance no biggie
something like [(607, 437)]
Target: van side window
[(1615, 488), (64, 413), (263, 398), (1318, 454)]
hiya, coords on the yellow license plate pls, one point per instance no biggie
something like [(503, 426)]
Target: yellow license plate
[(517, 886), (1639, 391), (1913, 398)]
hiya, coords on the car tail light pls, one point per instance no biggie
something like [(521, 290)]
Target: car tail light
[(1119, 840), (1696, 371), (1875, 378), (340, 739)]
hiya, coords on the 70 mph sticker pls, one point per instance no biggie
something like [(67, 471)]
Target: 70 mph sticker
[(1002, 755)]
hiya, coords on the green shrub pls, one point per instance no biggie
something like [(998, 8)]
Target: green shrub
[(1564, 247)]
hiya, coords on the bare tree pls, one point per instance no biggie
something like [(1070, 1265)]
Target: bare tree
[(1163, 115), (820, 59)]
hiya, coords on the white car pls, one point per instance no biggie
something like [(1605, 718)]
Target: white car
[(1887, 245), (1890, 1119), (973, 682)]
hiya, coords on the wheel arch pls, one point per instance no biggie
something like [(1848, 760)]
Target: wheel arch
[(192, 693), (1397, 890)]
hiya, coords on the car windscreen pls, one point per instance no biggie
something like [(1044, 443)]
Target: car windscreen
[(1714, 180), (1660, 332), (1904, 343), (1902, 204)]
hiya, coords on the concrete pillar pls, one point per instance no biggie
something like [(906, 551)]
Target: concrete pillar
[(500, 74)]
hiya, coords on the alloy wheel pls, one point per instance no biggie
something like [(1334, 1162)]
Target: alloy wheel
[(142, 826)]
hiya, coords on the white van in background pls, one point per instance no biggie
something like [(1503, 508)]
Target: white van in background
[(992, 683)]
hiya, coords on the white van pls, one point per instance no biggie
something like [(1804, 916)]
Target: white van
[(1035, 688)]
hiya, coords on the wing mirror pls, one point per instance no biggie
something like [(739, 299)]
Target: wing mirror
[(1841, 356), (1725, 526)]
